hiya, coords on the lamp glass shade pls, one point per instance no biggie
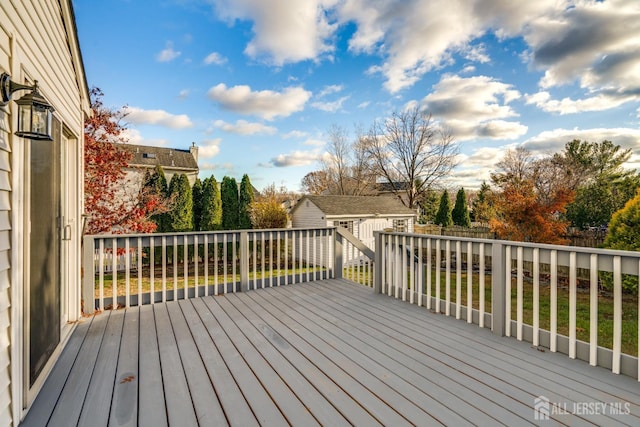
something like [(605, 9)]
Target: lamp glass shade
[(34, 120)]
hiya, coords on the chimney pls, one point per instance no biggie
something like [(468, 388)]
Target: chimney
[(194, 151)]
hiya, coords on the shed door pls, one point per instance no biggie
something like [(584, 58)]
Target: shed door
[(44, 288)]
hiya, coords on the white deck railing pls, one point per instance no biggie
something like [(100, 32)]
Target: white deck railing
[(130, 270), (504, 281)]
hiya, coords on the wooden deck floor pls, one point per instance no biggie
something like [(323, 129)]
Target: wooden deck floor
[(325, 353)]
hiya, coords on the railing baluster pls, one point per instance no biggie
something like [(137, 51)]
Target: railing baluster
[(553, 300), (470, 282), (481, 286), (458, 278), (127, 274), (139, 271), (507, 292), (617, 314), (224, 263), (536, 297), (572, 305), (195, 266), (206, 265), (447, 292), (152, 265), (185, 265), (262, 259), (114, 273), (175, 267), (234, 257), (593, 310), (215, 265), (519, 292), (412, 273), (404, 268), (438, 266), (429, 273), (101, 276), (164, 269), (420, 278)]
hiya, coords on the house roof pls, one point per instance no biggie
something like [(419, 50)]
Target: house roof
[(168, 158), (358, 205)]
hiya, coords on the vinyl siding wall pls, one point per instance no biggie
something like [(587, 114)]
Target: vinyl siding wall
[(37, 42)]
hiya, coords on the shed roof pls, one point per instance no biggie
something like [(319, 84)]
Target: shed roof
[(359, 205), (168, 158)]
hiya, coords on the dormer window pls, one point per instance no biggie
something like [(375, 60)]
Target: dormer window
[(148, 155)]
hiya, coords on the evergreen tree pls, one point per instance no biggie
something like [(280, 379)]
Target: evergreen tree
[(180, 218), (429, 206), (155, 183), (624, 228), (230, 203), (443, 216), (460, 213), (211, 217), (482, 208), (196, 195), (246, 198)]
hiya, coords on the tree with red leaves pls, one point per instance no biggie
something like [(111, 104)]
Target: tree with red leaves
[(532, 200), (113, 203)]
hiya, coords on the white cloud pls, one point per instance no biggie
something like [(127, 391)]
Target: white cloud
[(266, 104), (477, 54), (599, 102), (167, 54), (468, 69), (475, 107), (294, 134), (243, 127), (555, 140), (328, 90), (595, 44), (157, 117), (364, 104), (215, 58), (399, 30), (330, 107), (209, 148), (284, 31), (183, 94), (315, 142), (295, 158)]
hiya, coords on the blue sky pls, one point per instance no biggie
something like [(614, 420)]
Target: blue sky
[(257, 84)]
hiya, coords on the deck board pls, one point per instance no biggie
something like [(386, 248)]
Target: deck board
[(323, 353), (537, 368)]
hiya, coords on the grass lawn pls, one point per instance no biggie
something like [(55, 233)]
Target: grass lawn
[(605, 309)]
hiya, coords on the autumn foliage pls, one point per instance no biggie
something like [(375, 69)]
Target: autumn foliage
[(524, 216), (112, 203)]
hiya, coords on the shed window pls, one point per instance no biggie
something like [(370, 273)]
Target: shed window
[(400, 225), (344, 224), (148, 155)]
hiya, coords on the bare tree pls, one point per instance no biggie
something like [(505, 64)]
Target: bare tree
[(411, 152), (346, 168)]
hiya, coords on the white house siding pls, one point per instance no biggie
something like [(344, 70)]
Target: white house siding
[(37, 42), (5, 263), (308, 215)]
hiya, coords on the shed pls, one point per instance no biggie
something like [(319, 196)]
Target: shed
[(361, 215)]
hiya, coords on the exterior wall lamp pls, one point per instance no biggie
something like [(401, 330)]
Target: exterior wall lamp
[(34, 112)]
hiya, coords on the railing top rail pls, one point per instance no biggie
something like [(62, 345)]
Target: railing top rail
[(200, 233), (577, 249)]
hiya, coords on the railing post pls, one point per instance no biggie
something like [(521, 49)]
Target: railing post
[(377, 263), (88, 275), (244, 261), (498, 286), (337, 253)]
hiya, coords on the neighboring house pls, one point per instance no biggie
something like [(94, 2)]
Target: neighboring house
[(173, 161), (41, 193), (361, 215)]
